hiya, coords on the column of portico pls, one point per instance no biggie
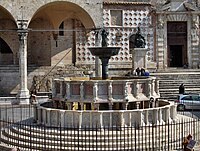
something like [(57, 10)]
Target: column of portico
[(23, 93), (161, 26), (193, 33)]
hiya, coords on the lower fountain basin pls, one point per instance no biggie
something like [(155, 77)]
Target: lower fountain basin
[(102, 119)]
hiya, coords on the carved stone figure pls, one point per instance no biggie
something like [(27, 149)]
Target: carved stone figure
[(35, 84), (139, 40), (48, 85), (160, 22), (195, 21), (104, 35)]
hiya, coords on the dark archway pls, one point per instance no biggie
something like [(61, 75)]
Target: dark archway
[(6, 54)]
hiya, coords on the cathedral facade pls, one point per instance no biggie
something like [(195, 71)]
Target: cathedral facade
[(58, 33)]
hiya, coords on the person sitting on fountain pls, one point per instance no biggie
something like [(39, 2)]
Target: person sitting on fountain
[(137, 71), (142, 72)]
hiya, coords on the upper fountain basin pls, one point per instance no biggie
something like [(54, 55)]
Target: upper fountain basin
[(104, 51)]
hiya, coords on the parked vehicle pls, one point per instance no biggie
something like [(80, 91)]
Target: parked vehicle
[(188, 101)]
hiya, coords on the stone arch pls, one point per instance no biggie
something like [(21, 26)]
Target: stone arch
[(49, 47), (9, 37), (69, 9), (5, 14)]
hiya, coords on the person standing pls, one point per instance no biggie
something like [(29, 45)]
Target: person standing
[(181, 89)]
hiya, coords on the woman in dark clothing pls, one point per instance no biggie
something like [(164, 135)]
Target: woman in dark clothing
[(181, 89)]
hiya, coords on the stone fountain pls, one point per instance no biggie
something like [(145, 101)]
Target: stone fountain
[(105, 102)]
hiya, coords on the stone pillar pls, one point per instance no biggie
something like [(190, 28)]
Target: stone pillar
[(35, 110), (139, 120), (136, 88), (95, 91), (82, 91), (82, 106), (61, 89), (146, 117), (157, 87), (149, 89), (48, 113), (62, 118), (139, 58), (39, 120), (155, 117), (160, 41), (160, 116), (54, 90), (68, 90), (166, 116), (23, 93), (194, 29), (110, 91), (97, 67)]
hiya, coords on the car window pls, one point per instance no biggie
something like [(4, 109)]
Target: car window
[(187, 98), (196, 98)]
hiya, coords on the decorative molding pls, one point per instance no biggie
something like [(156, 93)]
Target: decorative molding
[(177, 17)]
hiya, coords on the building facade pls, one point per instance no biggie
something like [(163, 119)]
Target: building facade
[(58, 33)]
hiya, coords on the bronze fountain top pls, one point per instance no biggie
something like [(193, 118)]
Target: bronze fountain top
[(104, 52)]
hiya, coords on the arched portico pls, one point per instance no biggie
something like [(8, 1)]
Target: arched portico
[(9, 38), (20, 10), (30, 22), (51, 46)]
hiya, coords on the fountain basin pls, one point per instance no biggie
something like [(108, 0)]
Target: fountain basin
[(92, 102), (164, 112), (104, 54), (96, 91), (104, 51)]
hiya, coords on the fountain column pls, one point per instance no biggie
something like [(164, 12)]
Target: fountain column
[(104, 67), (104, 53), (23, 93)]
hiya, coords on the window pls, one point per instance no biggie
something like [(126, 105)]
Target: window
[(195, 98), (187, 98), (116, 17)]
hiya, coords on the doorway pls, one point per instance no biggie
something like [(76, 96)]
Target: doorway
[(175, 56), (177, 44)]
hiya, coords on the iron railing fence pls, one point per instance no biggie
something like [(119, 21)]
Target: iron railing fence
[(19, 130)]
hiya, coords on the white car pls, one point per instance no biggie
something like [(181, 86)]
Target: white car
[(188, 101)]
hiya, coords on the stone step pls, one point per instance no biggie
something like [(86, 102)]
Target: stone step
[(170, 80), (79, 145), (127, 140), (79, 135)]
